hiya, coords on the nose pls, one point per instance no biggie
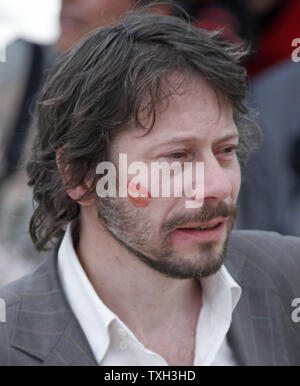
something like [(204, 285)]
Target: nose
[(217, 183)]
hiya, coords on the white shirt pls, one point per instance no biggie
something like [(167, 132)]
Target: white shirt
[(114, 344)]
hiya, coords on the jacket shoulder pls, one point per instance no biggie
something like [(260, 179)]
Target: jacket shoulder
[(269, 257), (13, 297), (10, 299), (11, 293), (267, 243)]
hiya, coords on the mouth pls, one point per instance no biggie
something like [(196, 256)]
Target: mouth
[(205, 232)]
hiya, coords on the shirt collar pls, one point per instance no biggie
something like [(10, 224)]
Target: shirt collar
[(220, 292), (92, 314), (220, 282)]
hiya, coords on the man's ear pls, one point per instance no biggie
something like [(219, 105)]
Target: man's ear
[(79, 190)]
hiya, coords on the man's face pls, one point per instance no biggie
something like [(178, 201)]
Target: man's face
[(195, 127), (79, 17)]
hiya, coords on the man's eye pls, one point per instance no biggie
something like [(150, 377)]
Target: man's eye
[(230, 150), (177, 155)]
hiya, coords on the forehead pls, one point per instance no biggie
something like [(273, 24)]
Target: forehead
[(197, 112)]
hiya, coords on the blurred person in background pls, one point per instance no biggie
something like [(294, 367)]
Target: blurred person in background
[(21, 79), (270, 195), (268, 26), (232, 17), (79, 17), (275, 24)]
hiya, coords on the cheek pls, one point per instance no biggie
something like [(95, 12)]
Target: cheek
[(235, 178), (158, 211), (163, 208)]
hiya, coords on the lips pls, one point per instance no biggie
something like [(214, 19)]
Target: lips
[(202, 225), (200, 228), (201, 232)]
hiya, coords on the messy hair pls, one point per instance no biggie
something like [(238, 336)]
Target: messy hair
[(95, 90)]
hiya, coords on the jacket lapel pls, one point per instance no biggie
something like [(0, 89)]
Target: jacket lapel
[(254, 334), (46, 327), (72, 348)]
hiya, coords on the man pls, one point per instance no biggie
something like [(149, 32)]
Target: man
[(141, 280)]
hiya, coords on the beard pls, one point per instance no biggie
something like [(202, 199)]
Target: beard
[(136, 233)]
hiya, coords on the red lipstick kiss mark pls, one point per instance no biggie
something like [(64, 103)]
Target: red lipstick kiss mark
[(137, 189)]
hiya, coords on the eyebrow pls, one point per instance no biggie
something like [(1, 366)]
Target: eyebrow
[(195, 139)]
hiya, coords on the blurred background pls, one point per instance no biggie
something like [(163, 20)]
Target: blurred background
[(31, 19), (32, 35)]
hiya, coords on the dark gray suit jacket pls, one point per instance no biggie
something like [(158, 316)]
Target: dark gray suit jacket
[(41, 329)]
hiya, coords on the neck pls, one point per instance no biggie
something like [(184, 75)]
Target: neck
[(145, 300)]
